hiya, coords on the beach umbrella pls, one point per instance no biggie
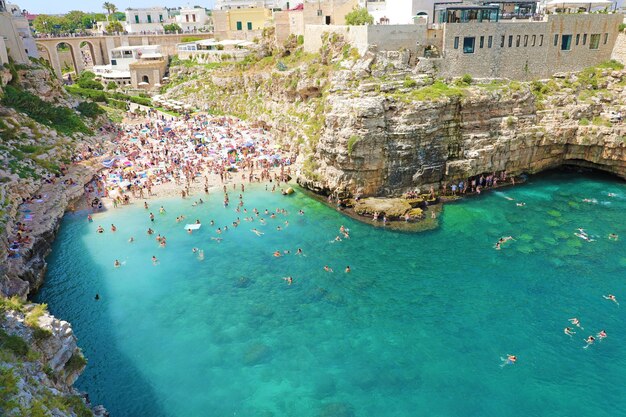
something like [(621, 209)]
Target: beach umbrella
[(143, 83)]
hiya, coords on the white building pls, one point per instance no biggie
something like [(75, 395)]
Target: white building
[(146, 20), (121, 58), (192, 19), (16, 39), (402, 12), (242, 4), (209, 50)]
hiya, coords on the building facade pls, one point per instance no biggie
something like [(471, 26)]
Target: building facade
[(16, 38), (193, 19), (241, 23), (137, 66), (244, 4), (146, 20)]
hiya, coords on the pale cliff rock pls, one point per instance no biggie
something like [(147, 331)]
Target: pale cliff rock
[(39, 366)]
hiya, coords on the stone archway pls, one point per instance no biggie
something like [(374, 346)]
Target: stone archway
[(87, 54), (68, 62)]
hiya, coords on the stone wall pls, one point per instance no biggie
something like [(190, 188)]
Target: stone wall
[(527, 49), (619, 50), (384, 37)]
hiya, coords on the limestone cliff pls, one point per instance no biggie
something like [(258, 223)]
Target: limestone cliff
[(39, 362), (405, 132)]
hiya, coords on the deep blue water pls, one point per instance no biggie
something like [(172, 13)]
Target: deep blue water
[(417, 328)]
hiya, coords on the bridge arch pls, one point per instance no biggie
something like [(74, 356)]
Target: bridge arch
[(71, 60)]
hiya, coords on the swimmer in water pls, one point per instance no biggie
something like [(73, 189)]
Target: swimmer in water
[(100, 229), (256, 232), (97, 297), (520, 204), (509, 360), (497, 246), (89, 218), (117, 264), (131, 239), (113, 228), (161, 210), (613, 236), (568, 331), (601, 334), (589, 341), (327, 268), (145, 205), (194, 250), (612, 298), (154, 260), (299, 252), (612, 194), (576, 323), (150, 231), (289, 280), (348, 269), (200, 255), (277, 254), (217, 239)]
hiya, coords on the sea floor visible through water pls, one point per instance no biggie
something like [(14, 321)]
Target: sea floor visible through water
[(418, 327)]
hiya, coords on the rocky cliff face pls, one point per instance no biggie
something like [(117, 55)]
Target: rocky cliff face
[(39, 362), (387, 135)]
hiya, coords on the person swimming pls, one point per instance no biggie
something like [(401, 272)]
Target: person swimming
[(131, 239), (509, 360), (97, 297), (113, 228), (117, 264), (256, 232), (601, 335), (611, 297), (299, 252), (613, 236), (568, 331), (589, 341), (348, 269), (289, 280), (327, 268), (100, 229), (277, 254), (89, 218), (155, 261), (576, 323)]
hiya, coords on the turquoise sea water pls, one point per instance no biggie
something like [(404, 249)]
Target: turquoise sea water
[(417, 328)]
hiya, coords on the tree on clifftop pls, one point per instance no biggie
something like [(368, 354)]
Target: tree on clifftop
[(359, 16), (172, 28), (113, 27), (110, 8)]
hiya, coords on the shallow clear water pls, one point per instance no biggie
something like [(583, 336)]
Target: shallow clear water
[(417, 328)]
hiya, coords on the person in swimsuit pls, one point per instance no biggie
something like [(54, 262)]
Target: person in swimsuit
[(117, 264), (568, 331), (601, 334), (589, 341), (612, 298), (327, 268), (154, 260), (289, 280), (509, 360), (576, 323), (100, 229)]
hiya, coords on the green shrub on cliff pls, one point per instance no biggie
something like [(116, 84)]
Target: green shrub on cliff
[(63, 119), (14, 344), (8, 390), (89, 109)]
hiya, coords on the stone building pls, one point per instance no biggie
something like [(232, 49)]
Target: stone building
[(490, 40), (246, 23), (146, 20), (244, 4), (191, 19), (137, 66), (16, 40)]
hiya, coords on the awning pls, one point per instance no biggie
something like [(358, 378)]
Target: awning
[(571, 4)]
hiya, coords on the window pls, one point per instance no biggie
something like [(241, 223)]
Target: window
[(145, 79), (249, 25), (193, 17), (468, 45), (540, 40), (113, 62), (534, 41), (606, 38), (149, 19), (502, 41), (577, 39), (566, 42), (510, 40), (186, 18), (489, 41), (518, 40), (482, 42), (584, 39), (136, 18), (525, 41), (556, 40), (456, 42), (239, 26), (319, 12), (161, 18), (594, 41)]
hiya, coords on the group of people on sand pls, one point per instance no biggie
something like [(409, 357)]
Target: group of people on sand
[(184, 151)]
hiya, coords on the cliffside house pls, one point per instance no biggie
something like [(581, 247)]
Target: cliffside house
[(137, 66)]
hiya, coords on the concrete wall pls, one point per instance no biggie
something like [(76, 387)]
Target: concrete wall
[(4, 56), (532, 53), (619, 50), (205, 57), (12, 39), (354, 35), (385, 37), (315, 12), (288, 23)]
